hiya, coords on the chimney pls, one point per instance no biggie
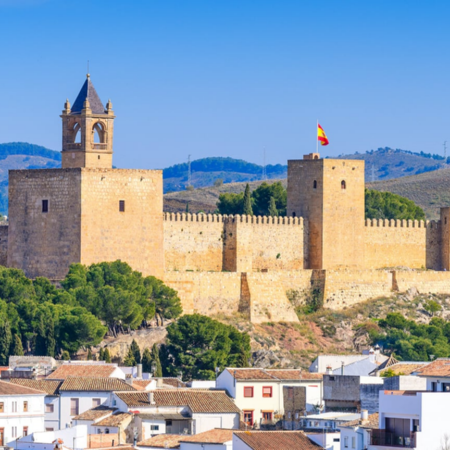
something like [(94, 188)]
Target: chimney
[(329, 370), (151, 400), (129, 380), (159, 382), (342, 367), (364, 415), (139, 371)]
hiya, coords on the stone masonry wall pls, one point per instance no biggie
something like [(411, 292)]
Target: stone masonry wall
[(3, 245), (407, 243)]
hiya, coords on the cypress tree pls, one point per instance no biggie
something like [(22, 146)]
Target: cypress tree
[(5, 342), (155, 358), (89, 355), (136, 351), (17, 347), (101, 355), (247, 207), (273, 211), (187, 207), (50, 337), (129, 360), (147, 361), (106, 356)]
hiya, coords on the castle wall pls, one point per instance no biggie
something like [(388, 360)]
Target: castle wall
[(3, 245), (394, 243), (134, 235), (44, 243), (234, 243), (425, 281)]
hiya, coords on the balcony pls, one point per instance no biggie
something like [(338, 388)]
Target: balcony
[(99, 146), (73, 146), (385, 438)]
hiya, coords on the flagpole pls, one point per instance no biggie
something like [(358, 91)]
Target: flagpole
[(317, 138)]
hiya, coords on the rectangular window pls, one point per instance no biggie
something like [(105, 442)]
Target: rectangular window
[(49, 429), (14, 407), (122, 205), (267, 391), (2, 407), (14, 432), (25, 406), (248, 418), (96, 402), (44, 206), (267, 415), (353, 442), (248, 391), (25, 431), (49, 407), (154, 427), (74, 407), (346, 442)]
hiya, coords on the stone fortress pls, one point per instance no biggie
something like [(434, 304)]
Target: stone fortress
[(87, 212)]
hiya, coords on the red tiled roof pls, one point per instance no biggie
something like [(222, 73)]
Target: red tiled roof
[(114, 420), (95, 413), (276, 440), (82, 370), (163, 441), (372, 422), (273, 374), (7, 388), (140, 385), (216, 436), (51, 387), (95, 384), (197, 400), (438, 368)]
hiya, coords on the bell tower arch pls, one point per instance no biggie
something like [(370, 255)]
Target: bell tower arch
[(88, 129)]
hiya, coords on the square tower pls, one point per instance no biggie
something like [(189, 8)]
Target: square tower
[(329, 193)]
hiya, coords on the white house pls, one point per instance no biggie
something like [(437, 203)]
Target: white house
[(21, 412), (217, 439), (93, 369), (51, 389), (437, 375), (355, 435), (280, 440), (331, 421), (178, 411), (72, 438), (78, 395), (259, 393), (411, 419)]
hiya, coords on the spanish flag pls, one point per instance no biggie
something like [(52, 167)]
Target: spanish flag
[(321, 136)]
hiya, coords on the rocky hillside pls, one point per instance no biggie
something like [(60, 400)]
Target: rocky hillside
[(297, 344)]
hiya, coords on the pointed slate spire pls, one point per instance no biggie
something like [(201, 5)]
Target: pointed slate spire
[(89, 93)]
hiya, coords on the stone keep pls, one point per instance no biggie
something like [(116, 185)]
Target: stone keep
[(87, 212), (329, 194)]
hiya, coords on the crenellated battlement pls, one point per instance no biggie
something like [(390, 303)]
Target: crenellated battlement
[(219, 218), (396, 223)]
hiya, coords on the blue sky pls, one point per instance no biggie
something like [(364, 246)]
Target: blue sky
[(230, 77)]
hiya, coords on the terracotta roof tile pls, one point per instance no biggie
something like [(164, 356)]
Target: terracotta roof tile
[(406, 369), (114, 420), (51, 387), (216, 436), (438, 368), (95, 413), (141, 385), (7, 388), (95, 384), (197, 400), (274, 374), (83, 370), (276, 440), (372, 422), (163, 441)]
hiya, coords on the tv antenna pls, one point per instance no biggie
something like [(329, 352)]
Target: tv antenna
[(445, 149), (264, 173), (189, 170)]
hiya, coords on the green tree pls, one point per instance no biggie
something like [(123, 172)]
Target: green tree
[(273, 211), (89, 355), (65, 356), (432, 307), (129, 360), (106, 355), (5, 342), (230, 203), (165, 300), (17, 348), (385, 205), (197, 344), (156, 360), (101, 355), (247, 206), (136, 351), (147, 360), (187, 207), (262, 197)]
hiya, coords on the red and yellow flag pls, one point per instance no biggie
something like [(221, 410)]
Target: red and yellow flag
[(321, 136)]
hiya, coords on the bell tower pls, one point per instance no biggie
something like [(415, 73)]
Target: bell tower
[(88, 128)]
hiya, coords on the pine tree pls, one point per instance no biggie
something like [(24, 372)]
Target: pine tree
[(247, 208), (89, 355), (129, 360), (5, 342), (147, 360), (106, 356), (273, 211), (17, 348), (136, 351), (155, 358)]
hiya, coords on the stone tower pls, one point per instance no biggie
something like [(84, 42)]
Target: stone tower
[(329, 193), (88, 128)]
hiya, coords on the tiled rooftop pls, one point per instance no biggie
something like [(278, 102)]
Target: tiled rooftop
[(51, 387), (7, 388), (197, 400), (82, 370), (276, 440), (163, 441), (438, 368), (95, 384), (95, 413), (141, 385), (273, 374), (114, 420), (216, 436), (372, 422)]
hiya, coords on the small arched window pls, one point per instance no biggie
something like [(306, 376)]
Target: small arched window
[(315, 184), (293, 214), (316, 157), (343, 184)]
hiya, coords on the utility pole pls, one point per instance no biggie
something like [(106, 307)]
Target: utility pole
[(445, 149), (189, 170), (264, 173)]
